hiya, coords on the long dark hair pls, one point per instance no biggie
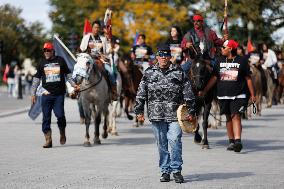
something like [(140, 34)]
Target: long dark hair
[(179, 33)]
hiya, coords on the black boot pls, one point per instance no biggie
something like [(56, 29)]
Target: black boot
[(231, 145), (238, 146), (165, 177), (178, 177)]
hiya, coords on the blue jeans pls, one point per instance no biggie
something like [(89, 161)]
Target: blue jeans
[(55, 103), (111, 74), (168, 133)]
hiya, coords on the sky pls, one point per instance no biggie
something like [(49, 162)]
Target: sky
[(37, 10), (32, 10)]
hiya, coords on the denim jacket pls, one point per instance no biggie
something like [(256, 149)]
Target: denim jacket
[(164, 91)]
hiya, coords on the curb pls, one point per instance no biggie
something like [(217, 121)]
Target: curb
[(12, 113)]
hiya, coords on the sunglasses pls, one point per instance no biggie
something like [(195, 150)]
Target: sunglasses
[(197, 20), (163, 54), (47, 50), (223, 47)]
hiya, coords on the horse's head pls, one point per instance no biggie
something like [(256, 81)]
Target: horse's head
[(83, 67), (200, 73)]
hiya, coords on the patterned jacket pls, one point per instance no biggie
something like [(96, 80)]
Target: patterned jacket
[(164, 92)]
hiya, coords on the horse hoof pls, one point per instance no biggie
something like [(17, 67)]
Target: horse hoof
[(130, 117), (114, 134), (97, 141), (105, 135), (197, 138), (87, 144), (82, 121), (135, 125), (205, 146)]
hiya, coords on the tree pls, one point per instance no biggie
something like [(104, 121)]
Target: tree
[(267, 16), (19, 39), (152, 18)]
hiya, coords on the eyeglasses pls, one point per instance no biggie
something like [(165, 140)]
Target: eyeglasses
[(47, 50)]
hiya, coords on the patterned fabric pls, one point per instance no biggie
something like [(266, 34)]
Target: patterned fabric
[(164, 91), (81, 67)]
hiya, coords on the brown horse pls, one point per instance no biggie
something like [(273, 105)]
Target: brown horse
[(130, 83), (257, 84), (281, 83)]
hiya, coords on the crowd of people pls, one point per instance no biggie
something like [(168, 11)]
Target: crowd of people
[(165, 84)]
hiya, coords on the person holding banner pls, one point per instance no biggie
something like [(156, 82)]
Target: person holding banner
[(52, 71), (141, 52)]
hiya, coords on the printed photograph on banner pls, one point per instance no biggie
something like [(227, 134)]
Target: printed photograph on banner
[(52, 72)]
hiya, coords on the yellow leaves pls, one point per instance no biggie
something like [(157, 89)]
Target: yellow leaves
[(152, 19)]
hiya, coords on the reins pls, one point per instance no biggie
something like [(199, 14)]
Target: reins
[(92, 84)]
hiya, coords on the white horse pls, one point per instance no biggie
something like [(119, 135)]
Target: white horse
[(114, 108), (94, 95)]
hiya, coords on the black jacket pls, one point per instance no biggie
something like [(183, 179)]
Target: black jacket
[(164, 92)]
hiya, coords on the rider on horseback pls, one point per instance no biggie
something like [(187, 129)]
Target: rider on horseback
[(97, 46), (203, 37)]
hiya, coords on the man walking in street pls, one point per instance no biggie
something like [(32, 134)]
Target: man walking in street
[(232, 75), (52, 71), (164, 87)]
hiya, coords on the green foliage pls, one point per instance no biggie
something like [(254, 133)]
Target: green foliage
[(152, 18), (267, 16), (20, 40), (155, 17)]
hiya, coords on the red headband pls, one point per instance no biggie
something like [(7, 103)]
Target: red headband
[(197, 17), (231, 43)]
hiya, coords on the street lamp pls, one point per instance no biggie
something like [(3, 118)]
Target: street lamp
[(250, 27)]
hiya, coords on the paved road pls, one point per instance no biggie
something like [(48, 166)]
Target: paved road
[(11, 105), (130, 159)]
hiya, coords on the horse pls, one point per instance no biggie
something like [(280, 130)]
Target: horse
[(131, 79), (200, 73), (270, 88), (114, 108), (281, 83), (94, 95), (257, 84)]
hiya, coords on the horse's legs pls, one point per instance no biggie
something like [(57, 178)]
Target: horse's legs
[(87, 112), (127, 99), (279, 93), (97, 127), (197, 137), (106, 115), (81, 112), (207, 107), (112, 118)]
